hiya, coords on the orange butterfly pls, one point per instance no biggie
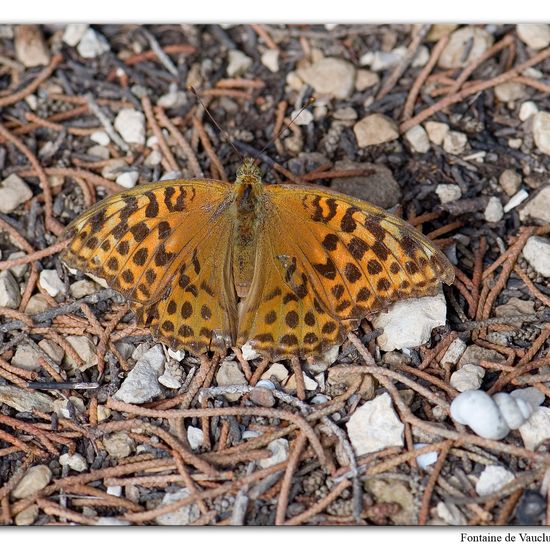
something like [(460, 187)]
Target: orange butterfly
[(208, 264)]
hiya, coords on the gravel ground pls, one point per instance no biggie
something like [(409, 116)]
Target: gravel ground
[(447, 126)]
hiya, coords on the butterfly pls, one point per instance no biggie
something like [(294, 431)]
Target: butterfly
[(292, 269)]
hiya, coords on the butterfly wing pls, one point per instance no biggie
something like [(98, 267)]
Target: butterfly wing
[(166, 247), (334, 260)]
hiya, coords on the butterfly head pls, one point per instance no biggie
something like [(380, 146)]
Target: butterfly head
[(249, 172)]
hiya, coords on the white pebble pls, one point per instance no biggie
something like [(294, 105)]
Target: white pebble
[(101, 138), (538, 208), (83, 287), (330, 76), (230, 374), (465, 44), (184, 515), (375, 129), (309, 383), (75, 462), (74, 32), (51, 283), (13, 192), (270, 59), (195, 437), (277, 371), (238, 64), (321, 364), (418, 139), (249, 353), (365, 79), (85, 349), (455, 142), (510, 181), (516, 200), (454, 352), (508, 92), (10, 294), (448, 192), (279, 453), (128, 179), (375, 426), (536, 429), (409, 323), (34, 480), (178, 355), (468, 377), (427, 459), (130, 124), (492, 479), (527, 109), (537, 252), (92, 44), (301, 118), (493, 211)]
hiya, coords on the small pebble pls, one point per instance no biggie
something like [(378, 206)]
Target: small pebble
[(510, 91), (195, 437), (119, 444), (85, 349), (65, 407), (49, 280), (249, 353), (439, 30), (141, 385), (454, 352), (34, 480), (455, 142), (494, 211), (279, 453), (130, 124), (474, 354), (128, 179), (427, 459), (409, 323), (541, 131), (302, 117), (375, 129), (174, 99), (527, 110), (309, 383), (448, 192), (418, 139), (26, 357), (92, 44), (18, 270), (75, 462), (27, 516), (468, 377), (451, 514), (492, 479), (365, 79), (238, 64), (537, 252), (510, 181), (436, 131), (514, 306), (54, 351), (270, 59), (100, 152), (10, 293), (83, 287), (277, 371), (375, 426), (112, 169), (23, 401), (380, 61), (183, 515), (331, 77), (74, 32), (536, 429), (230, 374), (13, 192), (322, 363), (538, 208), (30, 46), (101, 138), (535, 35), (465, 45), (154, 158)]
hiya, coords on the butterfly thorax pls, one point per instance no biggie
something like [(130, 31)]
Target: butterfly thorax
[(249, 207)]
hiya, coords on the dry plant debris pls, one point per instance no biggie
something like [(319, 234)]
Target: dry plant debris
[(449, 124)]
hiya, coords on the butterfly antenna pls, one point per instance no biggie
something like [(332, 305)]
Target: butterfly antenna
[(223, 132), (286, 127)]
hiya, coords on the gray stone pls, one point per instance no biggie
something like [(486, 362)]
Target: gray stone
[(409, 323), (541, 131), (13, 192), (85, 349), (83, 287), (230, 374), (25, 401), (26, 357), (92, 44), (474, 354), (375, 426), (468, 377), (494, 210), (377, 185), (375, 129), (448, 192), (119, 444), (130, 124), (141, 385), (418, 139), (465, 45), (18, 270), (538, 208), (34, 480), (535, 35), (537, 252), (184, 515), (10, 294), (455, 142), (238, 64), (36, 304), (330, 76), (536, 429)]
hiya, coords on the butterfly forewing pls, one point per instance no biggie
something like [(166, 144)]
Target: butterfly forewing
[(166, 247)]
